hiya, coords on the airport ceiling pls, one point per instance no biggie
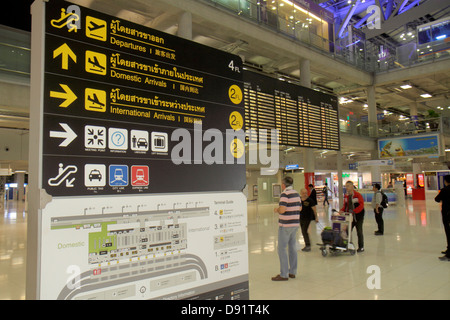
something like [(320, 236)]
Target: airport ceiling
[(159, 15)]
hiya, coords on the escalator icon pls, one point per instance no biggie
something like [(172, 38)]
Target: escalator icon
[(63, 175)]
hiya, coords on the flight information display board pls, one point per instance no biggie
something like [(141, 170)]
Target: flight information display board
[(303, 117)]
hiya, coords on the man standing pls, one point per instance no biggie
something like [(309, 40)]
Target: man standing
[(354, 203), (378, 209), (288, 222), (444, 198)]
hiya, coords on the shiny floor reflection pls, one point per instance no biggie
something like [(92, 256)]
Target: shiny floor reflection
[(407, 256), (13, 241)]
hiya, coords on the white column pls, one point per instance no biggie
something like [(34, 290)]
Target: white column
[(308, 153), (185, 26), (375, 171), (339, 176), (20, 180), (416, 168), (372, 109), (413, 113), (305, 73), (376, 174)]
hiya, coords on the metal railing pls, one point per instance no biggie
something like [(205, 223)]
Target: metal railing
[(357, 52), (15, 59), (395, 128)]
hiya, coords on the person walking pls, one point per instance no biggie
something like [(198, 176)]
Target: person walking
[(354, 203), (444, 198), (325, 190), (307, 214), (378, 208), (288, 223)]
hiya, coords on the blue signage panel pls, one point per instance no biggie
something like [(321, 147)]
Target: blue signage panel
[(118, 175), (415, 146)]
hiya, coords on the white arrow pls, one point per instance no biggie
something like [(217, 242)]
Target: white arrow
[(67, 134), (69, 183)]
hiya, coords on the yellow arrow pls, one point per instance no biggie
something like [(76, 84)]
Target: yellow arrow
[(65, 52), (67, 95)]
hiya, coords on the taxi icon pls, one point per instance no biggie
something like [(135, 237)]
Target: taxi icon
[(95, 174)]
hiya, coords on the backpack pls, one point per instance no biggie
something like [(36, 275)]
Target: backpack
[(384, 200)]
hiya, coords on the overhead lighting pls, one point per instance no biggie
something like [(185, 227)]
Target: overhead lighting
[(406, 86), (288, 2), (343, 100), (426, 95), (441, 37)]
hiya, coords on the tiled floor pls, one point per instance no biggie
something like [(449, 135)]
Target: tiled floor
[(407, 257), (13, 244)]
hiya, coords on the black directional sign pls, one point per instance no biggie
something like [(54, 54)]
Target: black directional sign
[(129, 109)]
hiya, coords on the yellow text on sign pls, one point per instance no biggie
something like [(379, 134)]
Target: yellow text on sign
[(236, 121), (235, 94), (95, 100), (237, 148), (96, 28)]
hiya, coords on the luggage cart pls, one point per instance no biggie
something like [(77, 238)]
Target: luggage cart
[(338, 238)]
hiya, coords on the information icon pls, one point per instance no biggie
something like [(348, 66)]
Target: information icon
[(118, 139)]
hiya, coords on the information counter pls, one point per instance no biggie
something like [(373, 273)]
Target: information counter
[(368, 195)]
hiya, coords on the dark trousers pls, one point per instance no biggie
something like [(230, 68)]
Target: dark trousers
[(446, 222), (358, 220), (379, 219), (304, 225)]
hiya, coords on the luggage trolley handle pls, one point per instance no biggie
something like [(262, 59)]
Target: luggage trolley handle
[(346, 214)]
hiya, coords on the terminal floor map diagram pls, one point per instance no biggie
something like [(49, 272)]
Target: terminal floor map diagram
[(152, 248)]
